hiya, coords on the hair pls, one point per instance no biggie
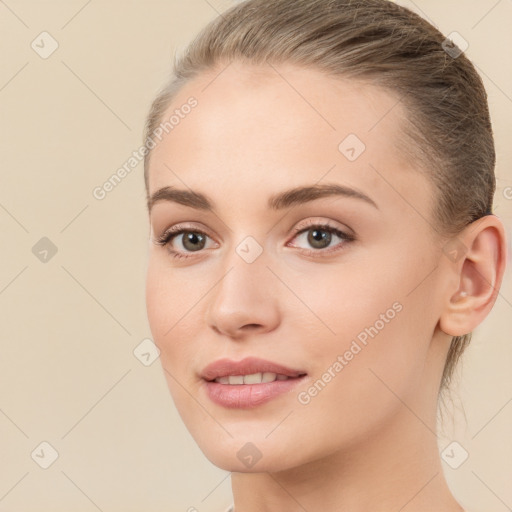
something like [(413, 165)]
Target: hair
[(447, 130)]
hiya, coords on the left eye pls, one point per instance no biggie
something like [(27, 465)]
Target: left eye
[(320, 236)]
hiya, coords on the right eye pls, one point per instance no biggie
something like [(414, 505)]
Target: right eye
[(191, 239)]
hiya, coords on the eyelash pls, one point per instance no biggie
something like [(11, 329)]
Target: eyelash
[(164, 239)]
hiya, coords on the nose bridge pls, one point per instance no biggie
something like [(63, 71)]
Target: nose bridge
[(247, 292)]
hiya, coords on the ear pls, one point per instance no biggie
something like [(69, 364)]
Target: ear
[(477, 259)]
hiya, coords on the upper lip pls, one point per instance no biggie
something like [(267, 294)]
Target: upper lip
[(247, 366)]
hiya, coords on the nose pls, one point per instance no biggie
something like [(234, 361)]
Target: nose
[(245, 300)]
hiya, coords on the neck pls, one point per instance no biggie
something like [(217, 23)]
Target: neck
[(396, 468)]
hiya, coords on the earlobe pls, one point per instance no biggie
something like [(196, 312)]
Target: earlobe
[(479, 274)]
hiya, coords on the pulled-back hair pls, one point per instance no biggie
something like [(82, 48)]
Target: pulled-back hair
[(447, 130)]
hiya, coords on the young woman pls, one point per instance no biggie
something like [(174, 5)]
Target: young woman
[(320, 179)]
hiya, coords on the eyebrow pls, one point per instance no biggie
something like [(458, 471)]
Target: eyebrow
[(280, 201)]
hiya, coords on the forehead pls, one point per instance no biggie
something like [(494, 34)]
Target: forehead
[(270, 125)]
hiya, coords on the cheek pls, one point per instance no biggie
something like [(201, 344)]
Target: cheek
[(358, 386), (172, 305), (171, 295), (170, 318), (159, 303), (372, 333)]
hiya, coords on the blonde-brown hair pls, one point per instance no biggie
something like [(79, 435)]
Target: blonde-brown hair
[(447, 132)]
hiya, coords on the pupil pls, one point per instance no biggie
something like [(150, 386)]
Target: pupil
[(318, 236), (193, 238)]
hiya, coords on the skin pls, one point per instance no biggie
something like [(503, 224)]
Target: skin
[(367, 440)]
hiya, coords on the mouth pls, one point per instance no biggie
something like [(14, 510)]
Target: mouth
[(253, 378), (251, 367), (249, 382)]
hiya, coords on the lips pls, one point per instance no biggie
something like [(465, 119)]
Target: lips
[(248, 383), (247, 366)]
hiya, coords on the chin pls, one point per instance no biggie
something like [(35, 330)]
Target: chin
[(251, 464), (244, 455)]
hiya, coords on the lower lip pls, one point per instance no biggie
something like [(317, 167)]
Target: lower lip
[(244, 396)]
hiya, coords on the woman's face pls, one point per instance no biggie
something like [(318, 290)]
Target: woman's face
[(342, 289)]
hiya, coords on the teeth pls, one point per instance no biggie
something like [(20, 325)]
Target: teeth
[(253, 378)]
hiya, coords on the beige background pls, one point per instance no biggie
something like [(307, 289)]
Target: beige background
[(70, 325)]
